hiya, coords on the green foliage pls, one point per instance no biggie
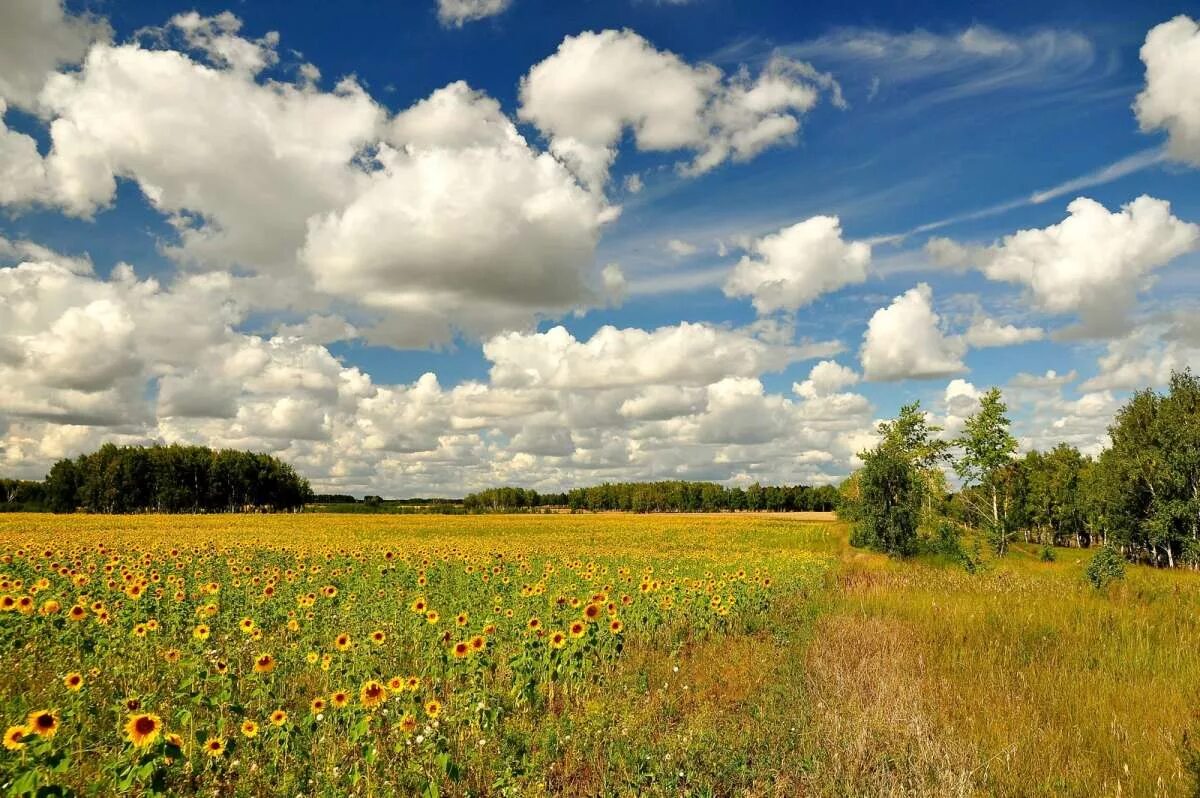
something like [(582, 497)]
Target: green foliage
[(1146, 494), (888, 511), (911, 433), (986, 461), (1106, 567), (1047, 554), (948, 539), (899, 487), (680, 496), (20, 495), (173, 479), (1054, 500)]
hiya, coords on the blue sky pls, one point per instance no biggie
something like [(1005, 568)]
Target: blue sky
[(909, 123)]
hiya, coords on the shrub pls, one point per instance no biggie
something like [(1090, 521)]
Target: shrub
[(1106, 567)]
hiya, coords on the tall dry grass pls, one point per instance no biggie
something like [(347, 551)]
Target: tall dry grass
[(1019, 681)]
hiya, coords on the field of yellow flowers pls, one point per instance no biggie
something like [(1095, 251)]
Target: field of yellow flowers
[(340, 655), (577, 655)]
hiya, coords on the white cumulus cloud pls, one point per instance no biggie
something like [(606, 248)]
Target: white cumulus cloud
[(597, 85), (1171, 99), (1094, 263), (905, 340), (986, 332), (789, 269)]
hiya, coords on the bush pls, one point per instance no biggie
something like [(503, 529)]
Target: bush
[(1106, 567), (889, 503), (1048, 553), (947, 541)]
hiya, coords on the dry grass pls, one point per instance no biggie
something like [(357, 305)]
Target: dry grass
[(1018, 681)]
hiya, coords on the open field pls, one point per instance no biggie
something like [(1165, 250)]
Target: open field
[(722, 655)]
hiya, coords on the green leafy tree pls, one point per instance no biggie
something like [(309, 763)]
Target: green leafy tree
[(987, 456), (1147, 491), (62, 487), (912, 436), (887, 511)]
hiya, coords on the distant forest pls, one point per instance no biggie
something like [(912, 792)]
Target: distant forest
[(660, 497), (162, 479)]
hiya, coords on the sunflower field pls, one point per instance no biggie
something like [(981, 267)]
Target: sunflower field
[(350, 655)]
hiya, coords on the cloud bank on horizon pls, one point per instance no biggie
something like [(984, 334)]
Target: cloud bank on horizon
[(207, 239)]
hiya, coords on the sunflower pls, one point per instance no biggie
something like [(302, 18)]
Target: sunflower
[(372, 694), (378, 637), (264, 664), (247, 626), (174, 739), (557, 639), (343, 642), (317, 705), (408, 724), (214, 747), (412, 683), (8, 604), (577, 629), (221, 667), (478, 643), (201, 632), (73, 681), (615, 626), (43, 722), (293, 625), (172, 655), (339, 699), (461, 619), (395, 684), (77, 613), (312, 657), (278, 717), (433, 707), (249, 728), (14, 737), (461, 649), (592, 612), (418, 605), (432, 616), (143, 729), (533, 624)]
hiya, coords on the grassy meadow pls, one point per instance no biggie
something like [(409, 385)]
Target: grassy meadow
[(741, 655)]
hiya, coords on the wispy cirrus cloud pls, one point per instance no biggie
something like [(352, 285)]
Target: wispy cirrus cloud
[(955, 65)]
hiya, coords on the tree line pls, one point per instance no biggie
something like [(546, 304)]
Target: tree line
[(659, 497), (172, 479), (22, 496), (1140, 496)]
